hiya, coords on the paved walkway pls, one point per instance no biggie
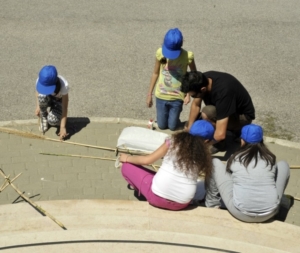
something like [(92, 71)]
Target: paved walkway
[(46, 177)]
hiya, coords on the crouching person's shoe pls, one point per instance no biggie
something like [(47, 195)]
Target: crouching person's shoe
[(218, 147), (287, 201)]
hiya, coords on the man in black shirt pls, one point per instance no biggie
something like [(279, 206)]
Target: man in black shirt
[(232, 101)]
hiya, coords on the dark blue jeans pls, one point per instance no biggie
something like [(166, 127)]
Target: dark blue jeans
[(168, 113)]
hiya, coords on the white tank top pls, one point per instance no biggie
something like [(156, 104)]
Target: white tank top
[(171, 183)]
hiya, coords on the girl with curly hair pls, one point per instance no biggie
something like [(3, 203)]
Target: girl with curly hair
[(252, 184), (186, 156)]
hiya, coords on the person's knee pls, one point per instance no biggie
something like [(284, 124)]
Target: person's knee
[(283, 166), (43, 100), (124, 169), (173, 127), (127, 168), (173, 123), (53, 120), (41, 96), (162, 125)]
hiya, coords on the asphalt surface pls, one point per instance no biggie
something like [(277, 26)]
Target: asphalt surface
[(106, 49)]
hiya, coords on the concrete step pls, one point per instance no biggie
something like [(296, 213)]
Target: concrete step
[(130, 216), (126, 240)]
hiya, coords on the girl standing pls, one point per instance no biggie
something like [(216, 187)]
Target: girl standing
[(170, 66)]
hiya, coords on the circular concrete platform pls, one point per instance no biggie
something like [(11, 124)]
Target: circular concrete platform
[(130, 226)]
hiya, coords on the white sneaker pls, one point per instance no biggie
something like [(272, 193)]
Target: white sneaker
[(155, 125), (43, 124)]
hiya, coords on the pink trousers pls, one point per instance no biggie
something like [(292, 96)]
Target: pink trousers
[(141, 179)]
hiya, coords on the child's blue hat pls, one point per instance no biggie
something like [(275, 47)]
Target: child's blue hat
[(252, 133), (203, 129), (46, 83), (171, 48)]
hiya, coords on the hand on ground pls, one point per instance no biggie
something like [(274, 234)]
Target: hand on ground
[(63, 133)]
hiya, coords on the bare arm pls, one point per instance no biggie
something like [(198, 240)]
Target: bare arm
[(194, 112), (37, 110), (187, 97), (153, 80), (192, 66), (220, 132), (148, 159), (63, 122)]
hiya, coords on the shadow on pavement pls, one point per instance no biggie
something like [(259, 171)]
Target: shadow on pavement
[(75, 125)]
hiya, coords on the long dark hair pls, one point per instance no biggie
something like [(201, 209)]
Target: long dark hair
[(251, 151), (193, 155)]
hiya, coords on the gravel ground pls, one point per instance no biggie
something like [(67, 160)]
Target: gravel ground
[(106, 49)]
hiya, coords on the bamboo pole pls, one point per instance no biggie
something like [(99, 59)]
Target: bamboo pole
[(154, 167), (79, 156), (93, 157), (295, 167), (119, 149), (41, 137), (7, 180), (40, 209), (132, 152)]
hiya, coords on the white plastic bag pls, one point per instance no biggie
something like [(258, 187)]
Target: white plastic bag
[(140, 139)]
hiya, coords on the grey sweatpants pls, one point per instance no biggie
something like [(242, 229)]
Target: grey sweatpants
[(220, 187), (55, 112)]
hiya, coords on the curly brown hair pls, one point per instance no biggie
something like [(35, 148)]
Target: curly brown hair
[(193, 155)]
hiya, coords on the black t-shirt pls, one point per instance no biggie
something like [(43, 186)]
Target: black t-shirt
[(229, 96)]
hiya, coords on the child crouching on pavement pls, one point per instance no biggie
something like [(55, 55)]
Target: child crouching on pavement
[(52, 92)]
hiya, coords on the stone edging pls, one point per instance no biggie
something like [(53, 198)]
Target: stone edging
[(280, 142)]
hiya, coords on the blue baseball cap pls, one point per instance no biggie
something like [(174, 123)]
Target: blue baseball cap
[(203, 129), (252, 133), (46, 83), (171, 48)]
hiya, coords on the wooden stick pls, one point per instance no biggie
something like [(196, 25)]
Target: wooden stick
[(80, 156), (40, 209), (154, 167), (40, 137), (6, 182), (295, 167), (133, 152), (297, 198), (92, 157), (119, 149)]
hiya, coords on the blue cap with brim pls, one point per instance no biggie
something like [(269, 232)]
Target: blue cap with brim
[(203, 129), (46, 83), (171, 48), (252, 133)]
